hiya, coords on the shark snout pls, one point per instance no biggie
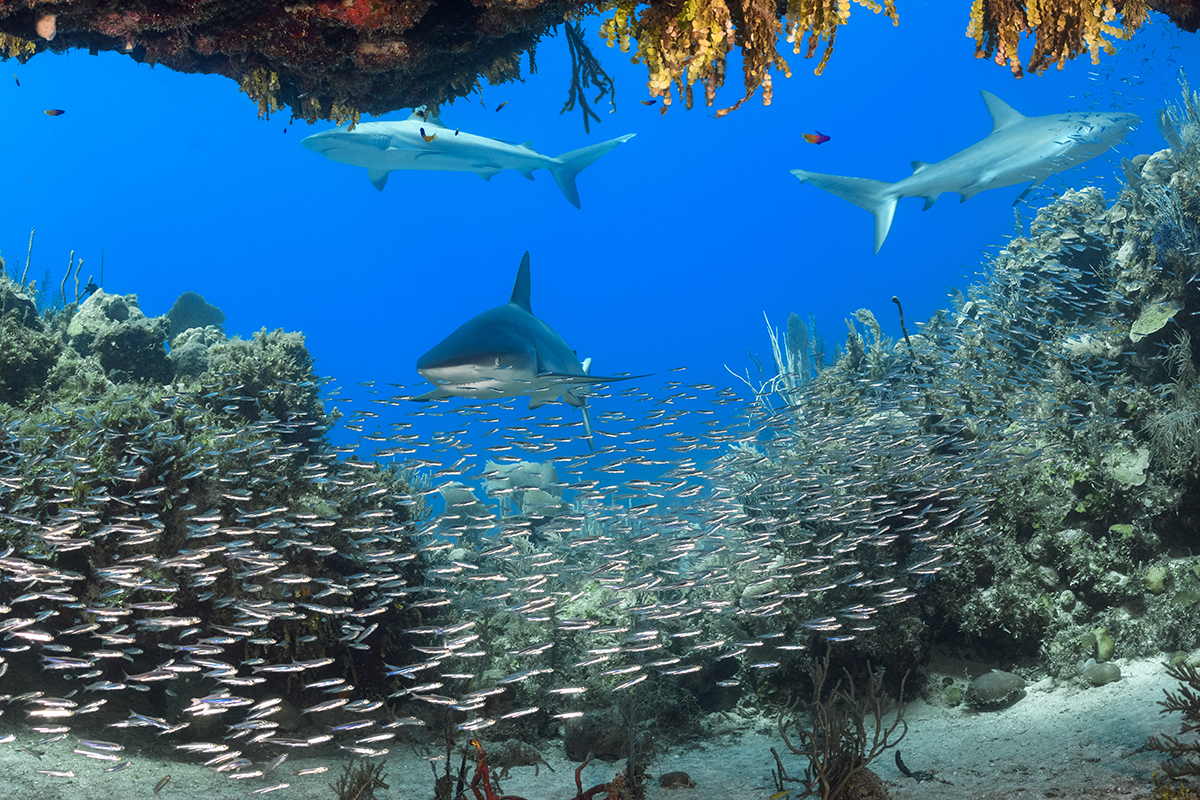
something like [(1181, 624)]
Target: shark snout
[(454, 361)]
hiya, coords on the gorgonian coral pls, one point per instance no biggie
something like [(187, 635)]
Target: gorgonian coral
[(684, 42), (1062, 29)]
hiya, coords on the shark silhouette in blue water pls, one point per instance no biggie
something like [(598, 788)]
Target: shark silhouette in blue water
[(508, 352), (1018, 149), (423, 142)]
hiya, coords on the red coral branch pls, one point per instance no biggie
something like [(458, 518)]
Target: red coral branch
[(483, 776)]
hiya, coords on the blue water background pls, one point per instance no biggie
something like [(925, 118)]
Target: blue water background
[(687, 235)]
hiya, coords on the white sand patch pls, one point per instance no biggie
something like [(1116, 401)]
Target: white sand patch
[(1062, 742)]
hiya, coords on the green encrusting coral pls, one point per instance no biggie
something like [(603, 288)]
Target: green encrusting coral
[(103, 438), (1041, 396), (1018, 476)]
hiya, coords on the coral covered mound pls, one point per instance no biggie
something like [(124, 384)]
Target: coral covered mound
[(337, 59), (330, 59)]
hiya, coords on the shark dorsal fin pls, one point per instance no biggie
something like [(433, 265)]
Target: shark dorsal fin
[(917, 166), (423, 114), (520, 294), (1002, 113)]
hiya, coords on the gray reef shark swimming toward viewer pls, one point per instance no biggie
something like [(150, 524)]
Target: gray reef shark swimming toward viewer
[(1018, 149), (423, 142), (508, 352)]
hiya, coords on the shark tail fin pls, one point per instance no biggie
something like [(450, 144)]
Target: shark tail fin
[(583, 407), (587, 424), (571, 164), (878, 197)]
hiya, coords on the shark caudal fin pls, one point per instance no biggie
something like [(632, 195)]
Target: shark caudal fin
[(571, 164), (877, 197), (587, 425), (583, 407)]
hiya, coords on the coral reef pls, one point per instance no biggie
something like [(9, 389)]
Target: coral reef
[(1061, 30), (338, 60), (324, 60), (1016, 480), (160, 504), (27, 349), (848, 731), (1053, 458), (1183, 756), (359, 781)]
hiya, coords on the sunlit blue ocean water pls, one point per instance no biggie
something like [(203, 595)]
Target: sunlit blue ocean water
[(687, 235)]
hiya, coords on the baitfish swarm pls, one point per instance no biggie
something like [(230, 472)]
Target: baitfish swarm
[(189, 562), (201, 568)]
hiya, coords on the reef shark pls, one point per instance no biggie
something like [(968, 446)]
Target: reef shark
[(423, 142), (1018, 149), (508, 352)]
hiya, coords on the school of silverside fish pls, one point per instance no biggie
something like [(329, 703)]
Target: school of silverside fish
[(200, 570), (185, 571)]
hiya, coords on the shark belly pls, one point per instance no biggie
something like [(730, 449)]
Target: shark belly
[(480, 381)]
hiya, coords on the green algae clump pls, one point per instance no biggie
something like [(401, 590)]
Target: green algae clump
[(1153, 318), (1105, 644), (1155, 579)]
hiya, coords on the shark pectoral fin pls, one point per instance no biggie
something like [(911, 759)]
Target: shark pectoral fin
[(1025, 193), (487, 171), (432, 394), (378, 177), (586, 380)]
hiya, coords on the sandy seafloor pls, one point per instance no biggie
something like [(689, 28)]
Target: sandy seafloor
[(1058, 741)]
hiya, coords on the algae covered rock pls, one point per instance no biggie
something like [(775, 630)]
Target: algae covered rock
[(189, 350), (193, 311), (27, 351), (271, 373), (16, 304), (135, 352), (995, 690), (131, 346), (1100, 674), (99, 313), (1155, 579), (600, 733)]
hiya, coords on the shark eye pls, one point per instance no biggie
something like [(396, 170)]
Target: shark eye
[(497, 361)]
